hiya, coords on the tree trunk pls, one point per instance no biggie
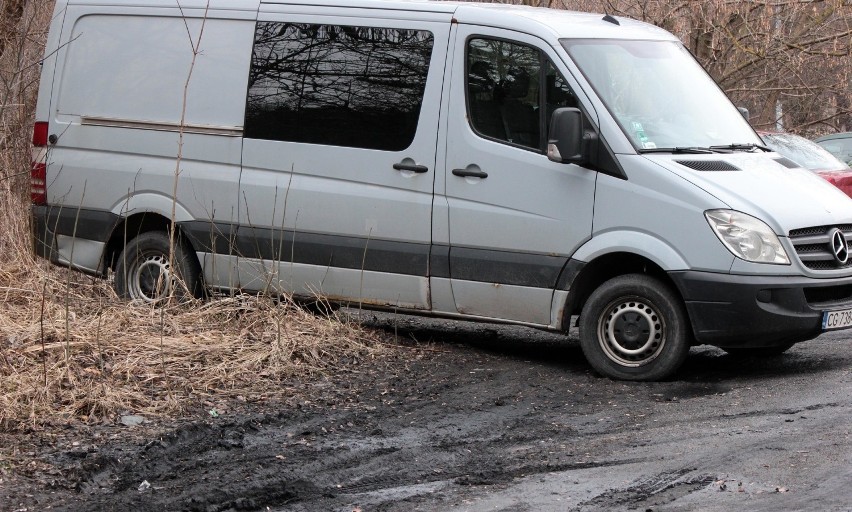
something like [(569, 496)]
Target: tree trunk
[(10, 16)]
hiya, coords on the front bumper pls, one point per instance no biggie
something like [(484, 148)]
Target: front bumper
[(758, 311)]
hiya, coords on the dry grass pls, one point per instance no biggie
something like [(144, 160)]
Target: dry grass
[(70, 349)]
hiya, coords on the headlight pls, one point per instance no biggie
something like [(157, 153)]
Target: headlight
[(746, 237)]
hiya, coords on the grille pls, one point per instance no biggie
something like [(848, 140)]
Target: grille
[(813, 246), (819, 230), (708, 165)]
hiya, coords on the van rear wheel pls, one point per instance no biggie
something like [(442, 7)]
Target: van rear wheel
[(143, 271), (634, 327)]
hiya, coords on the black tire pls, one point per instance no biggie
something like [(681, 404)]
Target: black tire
[(140, 266), (758, 352), (634, 327)]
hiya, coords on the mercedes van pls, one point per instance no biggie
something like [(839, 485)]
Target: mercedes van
[(473, 161)]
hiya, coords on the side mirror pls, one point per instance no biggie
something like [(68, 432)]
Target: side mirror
[(569, 142), (744, 112)]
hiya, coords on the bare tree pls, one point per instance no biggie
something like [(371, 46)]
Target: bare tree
[(11, 15), (23, 30)]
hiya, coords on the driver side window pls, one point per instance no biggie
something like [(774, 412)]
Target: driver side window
[(512, 90)]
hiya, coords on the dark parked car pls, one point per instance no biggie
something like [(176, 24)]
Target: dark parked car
[(839, 145), (811, 156)]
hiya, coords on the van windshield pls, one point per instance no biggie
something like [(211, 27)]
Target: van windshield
[(660, 95)]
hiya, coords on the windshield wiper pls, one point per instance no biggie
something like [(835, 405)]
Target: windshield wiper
[(742, 147), (679, 150)]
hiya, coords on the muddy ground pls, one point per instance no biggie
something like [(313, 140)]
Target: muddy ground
[(473, 418)]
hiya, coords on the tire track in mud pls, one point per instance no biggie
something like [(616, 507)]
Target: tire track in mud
[(445, 429), (652, 491), (485, 445), (469, 449)]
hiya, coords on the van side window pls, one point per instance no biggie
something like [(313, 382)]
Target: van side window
[(345, 86), (512, 90)]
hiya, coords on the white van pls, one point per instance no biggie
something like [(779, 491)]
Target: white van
[(484, 162)]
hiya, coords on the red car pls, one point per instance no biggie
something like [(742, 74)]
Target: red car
[(812, 157)]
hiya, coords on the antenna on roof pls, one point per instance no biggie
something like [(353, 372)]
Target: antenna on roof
[(612, 20)]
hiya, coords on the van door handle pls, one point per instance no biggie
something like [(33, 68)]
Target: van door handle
[(411, 167), (471, 173)]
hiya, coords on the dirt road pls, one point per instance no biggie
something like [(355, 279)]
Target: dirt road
[(475, 418)]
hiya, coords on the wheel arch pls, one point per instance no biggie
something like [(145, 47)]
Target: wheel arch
[(605, 267), (134, 225)]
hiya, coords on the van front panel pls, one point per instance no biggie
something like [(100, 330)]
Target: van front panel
[(515, 217)]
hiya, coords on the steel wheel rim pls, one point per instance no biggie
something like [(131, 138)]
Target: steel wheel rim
[(150, 278), (631, 332)]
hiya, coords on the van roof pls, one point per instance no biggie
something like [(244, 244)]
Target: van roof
[(557, 23), (560, 23), (546, 23)]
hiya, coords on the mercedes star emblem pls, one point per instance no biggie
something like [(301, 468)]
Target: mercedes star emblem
[(839, 246)]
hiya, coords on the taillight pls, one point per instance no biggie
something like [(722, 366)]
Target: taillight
[(40, 134), (38, 172), (38, 183)]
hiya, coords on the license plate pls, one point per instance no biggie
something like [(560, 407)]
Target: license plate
[(836, 319)]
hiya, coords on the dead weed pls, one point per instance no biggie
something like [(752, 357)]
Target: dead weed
[(71, 349)]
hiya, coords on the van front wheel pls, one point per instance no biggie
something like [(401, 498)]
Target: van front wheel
[(144, 271), (634, 327)]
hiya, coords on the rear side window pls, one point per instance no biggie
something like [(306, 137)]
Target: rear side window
[(345, 86)]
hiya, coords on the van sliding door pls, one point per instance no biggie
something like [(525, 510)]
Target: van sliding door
[(339, 155)]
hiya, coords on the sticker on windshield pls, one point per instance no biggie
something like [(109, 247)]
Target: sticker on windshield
[(639, 130)]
